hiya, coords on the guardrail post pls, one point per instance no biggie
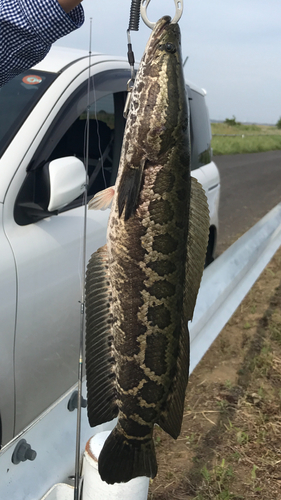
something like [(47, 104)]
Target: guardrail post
[(94, 487)]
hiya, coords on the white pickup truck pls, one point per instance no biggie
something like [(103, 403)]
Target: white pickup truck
[(42, 176)]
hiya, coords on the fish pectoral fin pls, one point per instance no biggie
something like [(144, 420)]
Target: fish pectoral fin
[(197, 242), (100, 372), (129, 189), (171, 418), (102, 199)]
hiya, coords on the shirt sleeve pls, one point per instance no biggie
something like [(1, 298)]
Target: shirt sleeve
[(27, 30)]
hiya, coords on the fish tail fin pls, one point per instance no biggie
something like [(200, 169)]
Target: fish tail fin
[(121, 460)]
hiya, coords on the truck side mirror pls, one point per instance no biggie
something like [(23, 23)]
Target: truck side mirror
[(67, 181), (49, 188)]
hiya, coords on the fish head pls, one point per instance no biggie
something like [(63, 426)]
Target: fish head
[(163, 107), (164, 43), (157, 123)]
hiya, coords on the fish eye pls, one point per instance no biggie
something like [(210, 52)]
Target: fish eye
[(170, 47)]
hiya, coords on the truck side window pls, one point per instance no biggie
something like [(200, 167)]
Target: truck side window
[(67, 137), (101, 141)]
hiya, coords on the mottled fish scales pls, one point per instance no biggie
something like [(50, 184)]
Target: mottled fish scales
[(142, 286)]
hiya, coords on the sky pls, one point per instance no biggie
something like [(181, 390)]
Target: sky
[(233, 49)]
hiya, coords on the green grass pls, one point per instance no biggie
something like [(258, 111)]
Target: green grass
[(216, 483), (244, 138)]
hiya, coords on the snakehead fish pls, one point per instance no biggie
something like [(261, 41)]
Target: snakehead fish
[(141, 287)]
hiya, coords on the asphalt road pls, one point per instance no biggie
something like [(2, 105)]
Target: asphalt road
[(250, 187)]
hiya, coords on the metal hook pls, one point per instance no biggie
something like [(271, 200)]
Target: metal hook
[(144, 5)]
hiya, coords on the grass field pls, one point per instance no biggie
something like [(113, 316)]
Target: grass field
[(244, 138)]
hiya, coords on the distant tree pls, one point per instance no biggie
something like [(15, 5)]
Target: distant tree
[(231, 121), (278, 124)]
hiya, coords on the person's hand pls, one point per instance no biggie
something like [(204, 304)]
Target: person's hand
[(68, 5)]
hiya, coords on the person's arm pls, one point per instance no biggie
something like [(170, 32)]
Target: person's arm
[(69, 5), (28, 29)]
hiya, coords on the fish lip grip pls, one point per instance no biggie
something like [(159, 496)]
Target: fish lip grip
[(143, 9)]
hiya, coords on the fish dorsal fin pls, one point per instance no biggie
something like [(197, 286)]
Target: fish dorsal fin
[(129, 189), (102, 199), (198, 235), (99, 349)]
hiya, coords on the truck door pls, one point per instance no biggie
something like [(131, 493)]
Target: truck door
[(48, 252), (8, 295)]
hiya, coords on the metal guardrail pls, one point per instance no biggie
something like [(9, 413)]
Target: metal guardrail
[(224, 285), (246, 135), (229, 278)]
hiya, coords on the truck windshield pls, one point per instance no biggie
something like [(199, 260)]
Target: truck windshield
[(17, 98)]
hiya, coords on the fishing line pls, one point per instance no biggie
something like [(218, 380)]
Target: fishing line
[(134, 15), (134, 22), (82, 305), (99, 140), (98, 129)]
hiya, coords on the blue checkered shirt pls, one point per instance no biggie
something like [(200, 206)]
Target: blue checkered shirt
[(27, 30)]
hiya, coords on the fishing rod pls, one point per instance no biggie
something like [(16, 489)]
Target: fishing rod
[(82, 304)]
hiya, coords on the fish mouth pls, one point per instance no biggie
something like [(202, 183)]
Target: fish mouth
[(162, 24)]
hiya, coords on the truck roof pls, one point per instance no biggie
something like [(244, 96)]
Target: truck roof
[(60, 58)]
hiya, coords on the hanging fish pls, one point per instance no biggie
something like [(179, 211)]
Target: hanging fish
[(141, 287)]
